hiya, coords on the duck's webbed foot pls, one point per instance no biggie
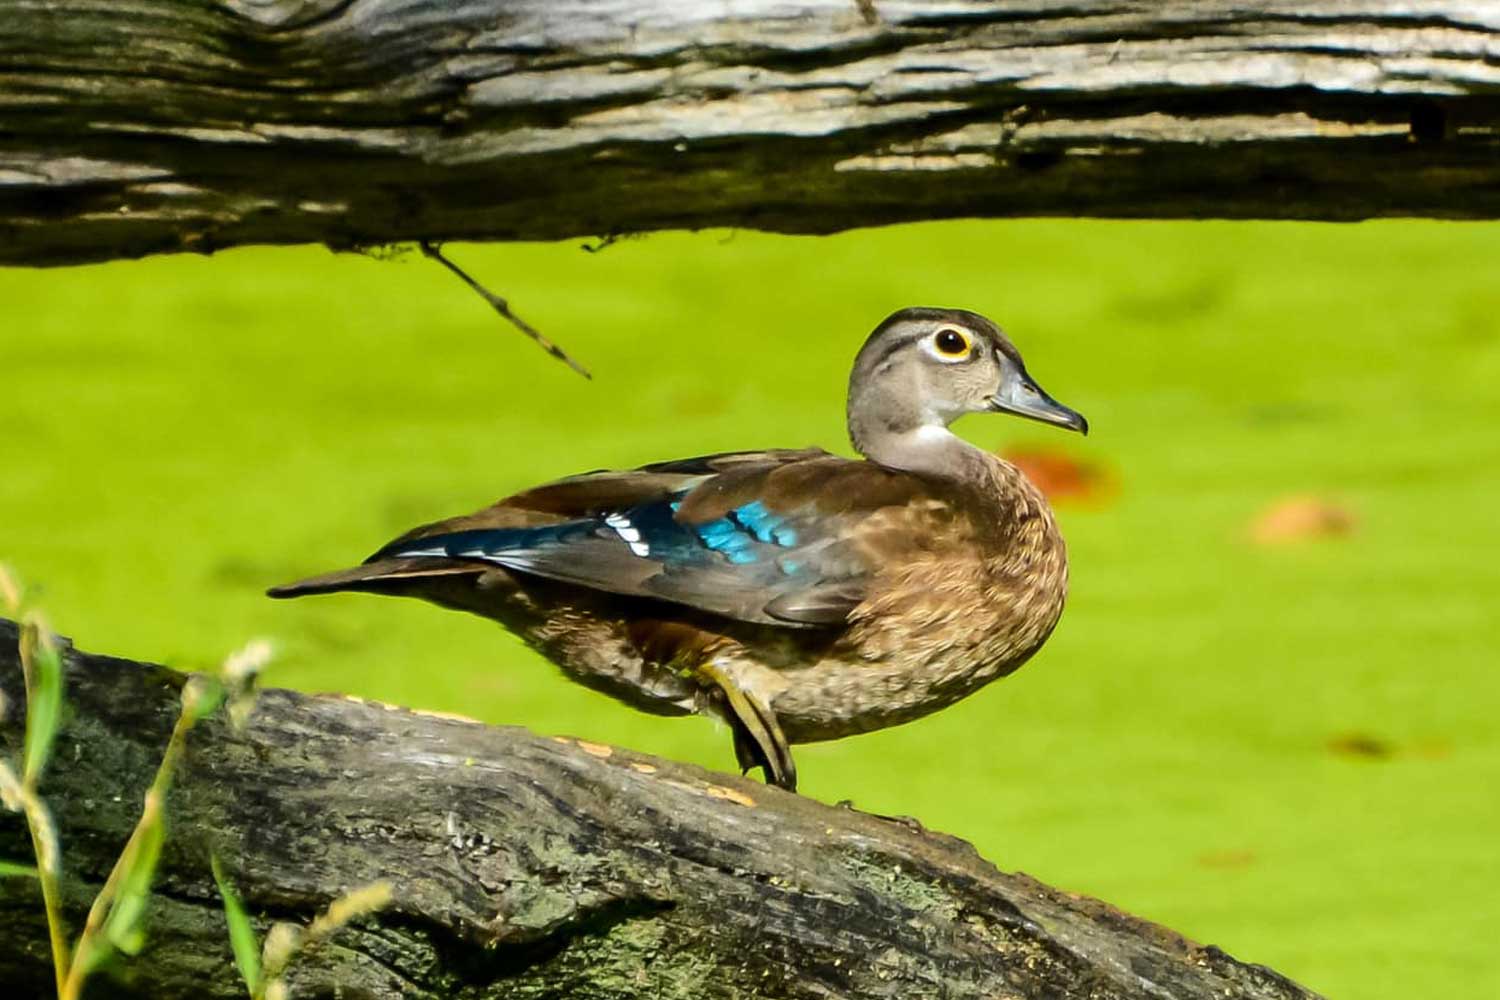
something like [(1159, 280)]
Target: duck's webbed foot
[(758, 739)]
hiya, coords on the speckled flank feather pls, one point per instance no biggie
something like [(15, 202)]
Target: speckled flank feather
[(803, 595)]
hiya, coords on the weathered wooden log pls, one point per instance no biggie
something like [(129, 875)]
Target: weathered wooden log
[(143, 126), (525, 866)]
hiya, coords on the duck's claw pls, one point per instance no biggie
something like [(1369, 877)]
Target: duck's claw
[(758, 739)]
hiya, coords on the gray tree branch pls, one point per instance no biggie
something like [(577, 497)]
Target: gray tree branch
[(525, 866), (145, 126)]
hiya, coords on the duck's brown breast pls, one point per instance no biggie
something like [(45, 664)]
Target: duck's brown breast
[(940, 626)]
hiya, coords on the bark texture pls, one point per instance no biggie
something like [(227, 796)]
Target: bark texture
[(531, 867), (131, 127)]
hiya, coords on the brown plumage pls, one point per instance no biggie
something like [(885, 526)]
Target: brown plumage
[(800, 595)]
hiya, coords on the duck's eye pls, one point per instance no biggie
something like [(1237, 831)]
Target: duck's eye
[(951, 343)]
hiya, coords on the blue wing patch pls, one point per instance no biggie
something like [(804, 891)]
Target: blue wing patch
[(735, 536), (729, 539), (747, 564), (767, 527), (649, 530), (800, 564)]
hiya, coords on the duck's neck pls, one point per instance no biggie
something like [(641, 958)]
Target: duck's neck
[(1020, 512), (928, 450)]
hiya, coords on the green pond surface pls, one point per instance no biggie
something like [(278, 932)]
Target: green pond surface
[(1288, 750)]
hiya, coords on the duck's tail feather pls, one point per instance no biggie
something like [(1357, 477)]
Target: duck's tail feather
[(383, 576)]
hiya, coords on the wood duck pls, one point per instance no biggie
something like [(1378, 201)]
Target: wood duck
[(799, 595)]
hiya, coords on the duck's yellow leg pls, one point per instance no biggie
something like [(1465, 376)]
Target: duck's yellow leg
[(758, 739)]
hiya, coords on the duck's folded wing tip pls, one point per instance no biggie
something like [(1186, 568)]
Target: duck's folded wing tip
[(381, 575)]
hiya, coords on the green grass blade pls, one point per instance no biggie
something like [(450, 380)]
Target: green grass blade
[(41, 662), (241, 933), (201, 697), (16, 869), (123, 927), (10, 592)]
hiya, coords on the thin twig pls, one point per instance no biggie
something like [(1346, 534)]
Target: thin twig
[(503, 308), (605, 242)]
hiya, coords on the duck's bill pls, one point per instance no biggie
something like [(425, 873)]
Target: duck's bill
[(1024, 398)]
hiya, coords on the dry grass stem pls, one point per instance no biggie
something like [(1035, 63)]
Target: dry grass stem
[(502, 307)]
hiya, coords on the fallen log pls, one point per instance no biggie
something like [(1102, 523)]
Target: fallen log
[(146, 126), (529, 866)]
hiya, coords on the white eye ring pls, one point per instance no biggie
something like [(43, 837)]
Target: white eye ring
[(930, 344)]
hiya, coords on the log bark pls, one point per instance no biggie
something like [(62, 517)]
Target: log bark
[(526, 866), (132, 127)]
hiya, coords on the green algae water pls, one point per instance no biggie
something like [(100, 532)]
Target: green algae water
[(1287, 748)]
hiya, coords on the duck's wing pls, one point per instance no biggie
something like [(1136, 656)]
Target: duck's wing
[(789, 538)]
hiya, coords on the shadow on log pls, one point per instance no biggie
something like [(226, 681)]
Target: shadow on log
[(527, 866)]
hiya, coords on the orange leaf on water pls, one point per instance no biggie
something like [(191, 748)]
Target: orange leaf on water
[(1061, 477), (1301, 518)]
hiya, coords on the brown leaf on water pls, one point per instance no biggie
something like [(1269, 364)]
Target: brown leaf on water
[(1063, 478), (1371, 747), (1302, 518), (1361, 745)]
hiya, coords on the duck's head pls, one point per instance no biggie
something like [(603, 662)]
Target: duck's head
[(922, 369)]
